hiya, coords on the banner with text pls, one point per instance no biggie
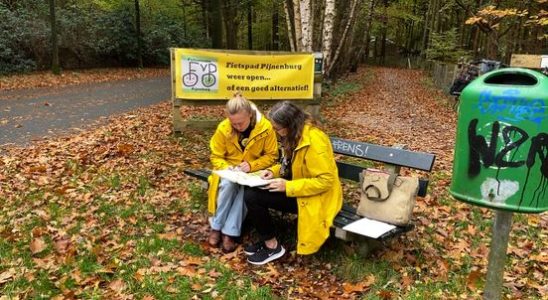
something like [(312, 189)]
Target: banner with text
[(210, 74)]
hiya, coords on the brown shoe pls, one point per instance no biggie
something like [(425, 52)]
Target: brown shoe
[(228, 244), (214, 237)]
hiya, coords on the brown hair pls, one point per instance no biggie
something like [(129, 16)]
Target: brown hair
[(292, 117)]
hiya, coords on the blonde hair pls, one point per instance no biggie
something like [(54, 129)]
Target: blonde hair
[(238, 103)]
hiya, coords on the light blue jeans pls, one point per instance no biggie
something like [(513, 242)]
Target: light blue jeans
[(231, 209)]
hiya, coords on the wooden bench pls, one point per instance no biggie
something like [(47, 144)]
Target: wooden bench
[(393, 159)]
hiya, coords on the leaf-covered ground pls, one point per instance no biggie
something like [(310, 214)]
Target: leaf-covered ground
[(75, 77), (108, 214)]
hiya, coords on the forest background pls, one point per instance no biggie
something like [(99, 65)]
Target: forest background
[(77, 34), (108, 212)]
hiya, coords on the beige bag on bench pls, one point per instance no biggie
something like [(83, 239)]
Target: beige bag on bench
[(387, 197)]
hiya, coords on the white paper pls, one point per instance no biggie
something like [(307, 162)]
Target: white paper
[(368, 227), (239, 177)]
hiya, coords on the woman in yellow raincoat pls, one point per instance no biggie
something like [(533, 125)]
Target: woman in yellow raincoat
[(246, 141), (305, 182)]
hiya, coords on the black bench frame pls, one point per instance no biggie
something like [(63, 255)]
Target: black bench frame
[(393, 159)]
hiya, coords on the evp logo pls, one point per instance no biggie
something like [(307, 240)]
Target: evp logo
[(200, 74)]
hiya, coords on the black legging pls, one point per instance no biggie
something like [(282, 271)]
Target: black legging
[(258, 202)]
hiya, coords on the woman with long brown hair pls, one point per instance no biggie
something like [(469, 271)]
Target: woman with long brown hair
[(305, 181)]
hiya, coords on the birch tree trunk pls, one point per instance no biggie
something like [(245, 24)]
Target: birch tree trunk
[(306, 24), (343, 38), (327, 33), (298, 26), (290, 28)]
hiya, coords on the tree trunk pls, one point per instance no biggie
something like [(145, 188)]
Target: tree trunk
[(298, 26), (433, 20), (525, 29), (183, 6), (370, 14), (206, 18), (425, 32), (138, 34), (250, 25), (290, 27), (343, 38), (327, 34), (306, 24), (492, 45), (275, 26), (55, 69), (230, 16), (384, 30), (216, 25)]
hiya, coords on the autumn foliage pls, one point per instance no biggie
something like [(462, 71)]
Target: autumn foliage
[(108, 213)]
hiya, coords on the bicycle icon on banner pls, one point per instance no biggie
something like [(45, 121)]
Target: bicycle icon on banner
[(201, 74)]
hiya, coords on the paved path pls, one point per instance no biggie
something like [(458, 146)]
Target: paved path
[(26, 115)]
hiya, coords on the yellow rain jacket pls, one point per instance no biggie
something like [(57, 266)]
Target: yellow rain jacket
[(261, 152), (316, 186)]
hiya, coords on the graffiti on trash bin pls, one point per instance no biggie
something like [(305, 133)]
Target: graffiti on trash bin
[(510, 106), (500, 148)]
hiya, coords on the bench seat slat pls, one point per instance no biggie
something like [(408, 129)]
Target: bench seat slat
[(202, 174)]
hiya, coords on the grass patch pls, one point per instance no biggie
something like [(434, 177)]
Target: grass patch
[(192, 249), (43, 287), (343, 88), (229, 286), (153, 245), (114, 181), (88, 264), (143, 185), (13, 288), (198, 197)]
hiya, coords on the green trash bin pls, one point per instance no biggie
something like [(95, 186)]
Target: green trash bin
[(501, 151)]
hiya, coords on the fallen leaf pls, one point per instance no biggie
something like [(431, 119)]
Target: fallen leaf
[(7, 275), (361, 286), (473, 279), (406, 281), (214, 273), (37, 245), (385, 295), (117, 285), (168, 236)]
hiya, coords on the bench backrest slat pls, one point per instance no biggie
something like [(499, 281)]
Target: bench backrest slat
[(399, 157)]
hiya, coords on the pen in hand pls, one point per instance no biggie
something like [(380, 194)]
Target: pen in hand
[(267, 174)]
